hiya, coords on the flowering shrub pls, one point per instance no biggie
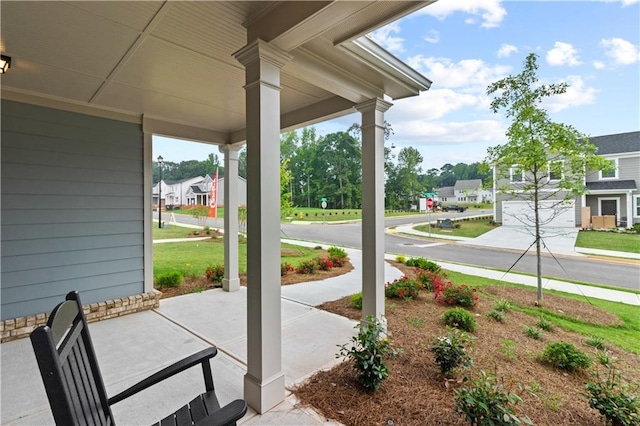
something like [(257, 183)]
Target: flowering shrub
[(324, 263), (286, 268), (307, 267), (447, 293), (429, 279), (338, 262), (215, 273), (402, 288)]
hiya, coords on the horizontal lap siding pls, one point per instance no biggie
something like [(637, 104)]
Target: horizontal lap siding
[(72, 208)]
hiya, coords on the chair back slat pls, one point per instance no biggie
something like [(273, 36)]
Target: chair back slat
[(68, 366)]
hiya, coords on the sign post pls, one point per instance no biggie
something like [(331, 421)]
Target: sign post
[(323, 204), (429, 208)]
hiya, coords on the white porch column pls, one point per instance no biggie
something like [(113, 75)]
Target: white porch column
[(231, 282), (373, 207), (264, 381), (630, 207), (147, 152)]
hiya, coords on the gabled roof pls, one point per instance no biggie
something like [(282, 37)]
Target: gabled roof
[(617, 144), (611, 185), (446, 191), (468, 184)]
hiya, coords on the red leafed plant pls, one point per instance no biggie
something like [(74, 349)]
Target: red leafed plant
[(447, 293)]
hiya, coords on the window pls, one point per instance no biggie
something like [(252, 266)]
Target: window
[(517, 175), (638, 206), (612, 174), (556, 170)]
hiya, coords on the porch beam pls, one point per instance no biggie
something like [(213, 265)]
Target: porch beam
[(231, 280), (264, 381), (373, 207)]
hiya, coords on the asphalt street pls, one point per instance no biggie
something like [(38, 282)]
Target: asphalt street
[(597, 270)]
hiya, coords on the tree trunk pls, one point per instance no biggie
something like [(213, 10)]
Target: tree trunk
[(538, 254)]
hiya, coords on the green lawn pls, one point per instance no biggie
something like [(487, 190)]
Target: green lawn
[(629, 243), (193, 257), (626, 336), (173, 231), (469, 229)]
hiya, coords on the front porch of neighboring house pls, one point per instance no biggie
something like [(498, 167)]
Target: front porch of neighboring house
[(236, 74), (622, 204)]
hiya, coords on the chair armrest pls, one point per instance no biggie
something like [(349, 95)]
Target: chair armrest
[(201, 357), (227, 415)]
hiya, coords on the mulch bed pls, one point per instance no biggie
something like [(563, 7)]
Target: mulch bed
[(416, 393)]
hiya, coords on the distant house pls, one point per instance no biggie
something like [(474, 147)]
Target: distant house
[(174, 193), (616, 193), (608, 194), (198, 193), (471, 191), (446, 194)]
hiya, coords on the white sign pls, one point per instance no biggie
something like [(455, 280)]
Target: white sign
[(324, 204)]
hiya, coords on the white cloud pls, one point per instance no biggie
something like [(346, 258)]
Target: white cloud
[(506, 50), (625, 3), (385, 38), (490, 11), (599, 65), (472, 74), (576, 95), (432, 37), (563, 54), (621, 51)]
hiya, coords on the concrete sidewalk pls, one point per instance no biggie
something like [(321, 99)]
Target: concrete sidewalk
[(132, 347)]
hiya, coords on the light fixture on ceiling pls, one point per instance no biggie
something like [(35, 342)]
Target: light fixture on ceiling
[(5, 63)]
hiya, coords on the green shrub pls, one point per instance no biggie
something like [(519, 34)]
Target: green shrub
[(484, 402), (401, 259), (422, 263), (402, 288), (337, 252), (459, 318), (169, 279), (565, 356), (496, 315), (534, 333), (369, 351), (508, 348), (450, 352), (596, 342), (502, 305), (356, 300), (614, 401), (215, 273), (544, 324)]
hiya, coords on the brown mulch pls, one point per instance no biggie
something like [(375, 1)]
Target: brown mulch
[(416, 393)]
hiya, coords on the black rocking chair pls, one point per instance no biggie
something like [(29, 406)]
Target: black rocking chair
[(74, 386)]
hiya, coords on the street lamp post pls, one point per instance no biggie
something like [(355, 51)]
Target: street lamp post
[(160, 191)]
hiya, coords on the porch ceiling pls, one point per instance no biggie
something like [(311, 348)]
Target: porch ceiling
[(173, 61)]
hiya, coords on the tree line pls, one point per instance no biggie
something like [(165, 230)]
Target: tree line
[(313, 167)]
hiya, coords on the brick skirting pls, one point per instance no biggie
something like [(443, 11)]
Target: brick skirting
[(18, 328)]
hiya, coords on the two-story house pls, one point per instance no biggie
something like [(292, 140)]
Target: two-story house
[(174, 193), (616, 193), (198, 192), (608, 194)]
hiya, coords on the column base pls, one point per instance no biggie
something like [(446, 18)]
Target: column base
[(264, 396), (232, 284)]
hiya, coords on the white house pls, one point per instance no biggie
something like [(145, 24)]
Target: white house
[(198, 193), (174, 193)]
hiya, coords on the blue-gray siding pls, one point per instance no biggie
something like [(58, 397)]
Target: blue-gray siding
[(72, 208)]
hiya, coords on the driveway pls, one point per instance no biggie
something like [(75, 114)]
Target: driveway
[(555, 240)]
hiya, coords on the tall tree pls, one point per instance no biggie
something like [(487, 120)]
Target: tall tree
[(339, 159), (409, 160), (542, 160)]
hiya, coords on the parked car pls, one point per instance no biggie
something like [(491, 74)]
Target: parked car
[(454, 207)]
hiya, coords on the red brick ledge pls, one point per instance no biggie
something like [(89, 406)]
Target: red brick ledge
[(18, 328)]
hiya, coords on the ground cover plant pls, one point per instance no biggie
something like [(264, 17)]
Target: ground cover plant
[(417, 393)]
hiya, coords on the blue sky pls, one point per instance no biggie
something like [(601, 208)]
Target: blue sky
[(463, 46)]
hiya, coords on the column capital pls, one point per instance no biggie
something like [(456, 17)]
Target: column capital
[(376, 104), (229, 148), (261, 50)]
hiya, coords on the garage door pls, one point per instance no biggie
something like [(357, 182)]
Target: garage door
[(519, 213)]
